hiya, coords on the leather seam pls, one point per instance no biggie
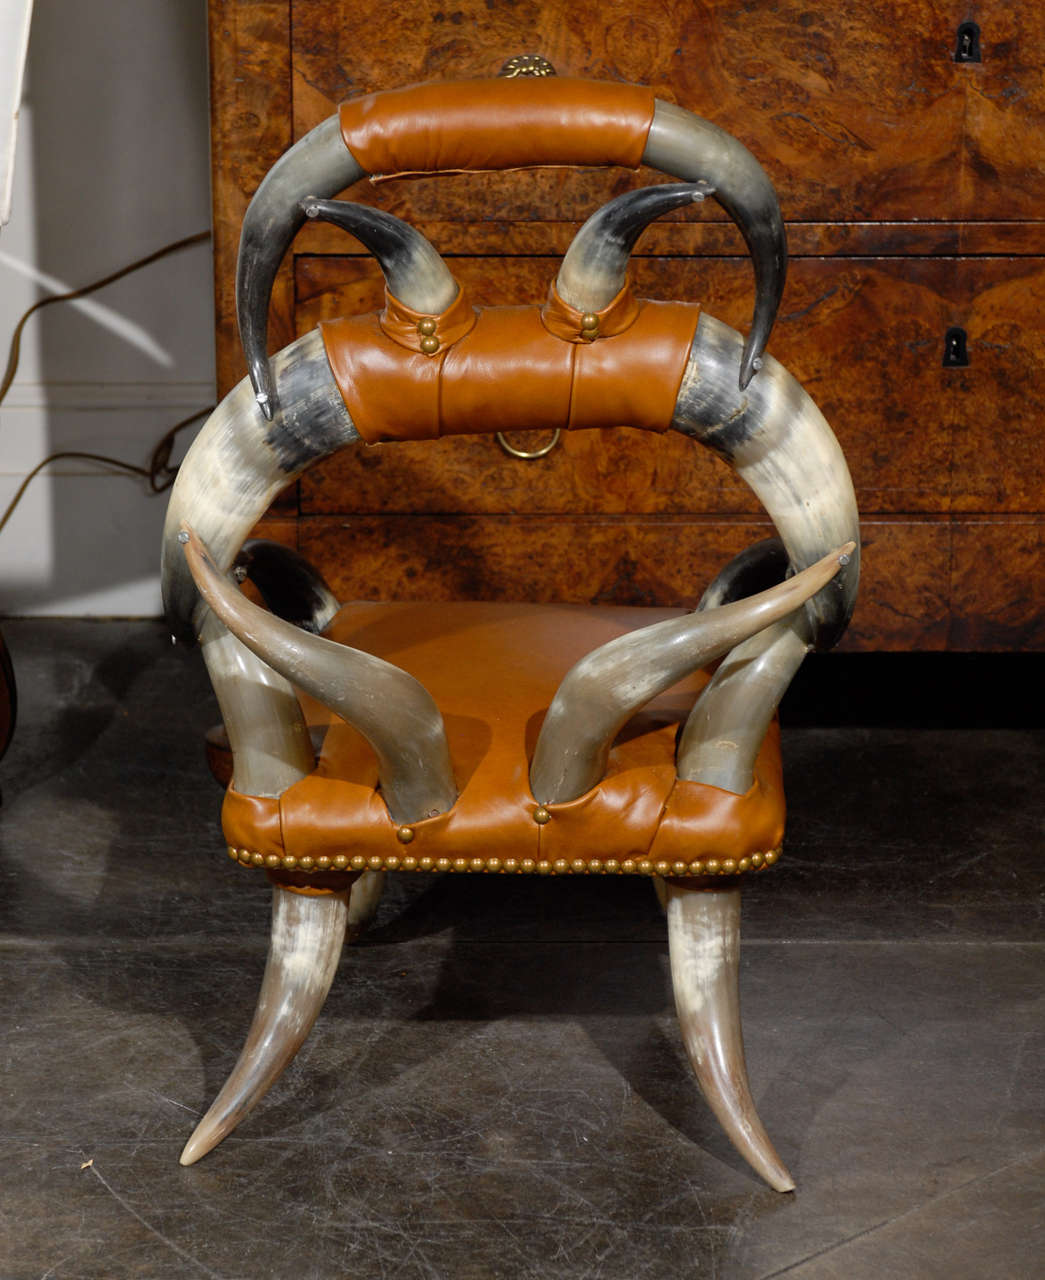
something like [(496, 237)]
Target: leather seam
[(660, 816)]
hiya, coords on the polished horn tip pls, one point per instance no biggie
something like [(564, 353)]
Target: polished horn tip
[(749, 366), (205, 1138), (264, 404)]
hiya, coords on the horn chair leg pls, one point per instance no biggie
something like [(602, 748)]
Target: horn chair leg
[(704, 945), (363, 902), (307, 936)]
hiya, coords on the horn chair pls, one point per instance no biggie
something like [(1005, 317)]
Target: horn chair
[(488, 737)]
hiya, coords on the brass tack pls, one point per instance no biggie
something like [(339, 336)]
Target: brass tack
[(460, 864), (729, 867), (771, 857), (511, 864), (561, 866), (375, 862), (544, 867), (744, 864), (405, 834), (611, 865), (289, 861), (233, 853), (478, 864), (358, 862), (306, 863), (644, 866), (757, 859), (341, 862), (425, 863), (426, 327), (541, 815), (443, 864), (272, 860), (528, 864), (258, 859), (628, 866), (409, 863), (244, 858), (580, 866), (392, 863), (595, 865), (323, 863), (680, 868), (696, 868), (662, 868), (494, 864), (711, 866), (430, 346)]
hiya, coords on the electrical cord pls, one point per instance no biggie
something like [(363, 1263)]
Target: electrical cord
[(159, 473)]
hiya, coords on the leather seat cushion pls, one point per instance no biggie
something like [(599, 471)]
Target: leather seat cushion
[(493, 670)]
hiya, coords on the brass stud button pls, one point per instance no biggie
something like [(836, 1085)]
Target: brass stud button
[(426, 327), (541, 815), (405, 834), (430, 345), (589, 325)]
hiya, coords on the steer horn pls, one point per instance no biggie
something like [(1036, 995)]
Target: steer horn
[(601, 692), (414, 272), (392, 710), (595, 267)]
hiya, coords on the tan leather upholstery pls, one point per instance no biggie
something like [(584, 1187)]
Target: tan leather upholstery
[(498, 124), (511, 368), (493, 669)]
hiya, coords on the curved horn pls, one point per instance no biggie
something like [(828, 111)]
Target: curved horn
[(319, 164), (239, 462), (757, 568), (704, 946), (292, 588), (392, 710), (728, 723), (693, 149), (602, 691), (414, 272), (305, 947), (595, 267), (776, 439)]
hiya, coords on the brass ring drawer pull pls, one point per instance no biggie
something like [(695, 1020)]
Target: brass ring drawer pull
[(529, 454)]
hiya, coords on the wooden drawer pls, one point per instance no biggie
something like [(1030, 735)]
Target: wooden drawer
[(913, 188), (865, 337), (858, 111)]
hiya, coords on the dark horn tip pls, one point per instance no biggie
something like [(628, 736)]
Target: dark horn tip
[(261, 381), (749, 366)]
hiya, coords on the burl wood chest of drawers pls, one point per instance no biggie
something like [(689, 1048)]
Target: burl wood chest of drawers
[(913, 183)]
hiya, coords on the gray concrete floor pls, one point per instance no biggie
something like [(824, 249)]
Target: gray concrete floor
[(496, 1087)]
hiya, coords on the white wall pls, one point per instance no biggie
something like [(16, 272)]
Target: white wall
[(112, 164)]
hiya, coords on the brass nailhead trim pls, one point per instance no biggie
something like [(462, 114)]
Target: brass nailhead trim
[(509, 866)]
